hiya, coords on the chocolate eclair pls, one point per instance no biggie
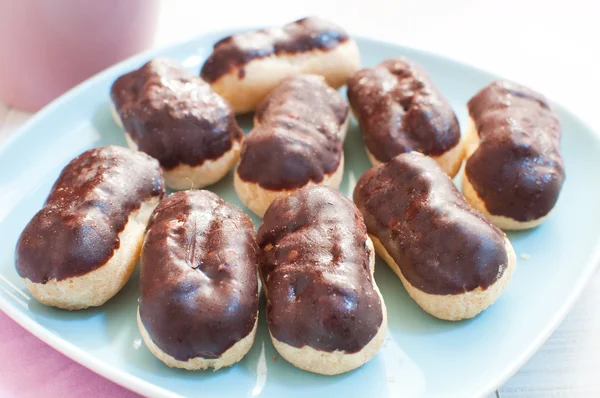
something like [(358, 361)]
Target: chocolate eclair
[(198, 303), (400, 109), (244, 68), (80, 249), (177, 118), (452, 261), (514, 171), (297, 140), (324, 310)]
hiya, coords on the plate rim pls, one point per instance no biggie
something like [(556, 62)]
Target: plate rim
[(146, 388)]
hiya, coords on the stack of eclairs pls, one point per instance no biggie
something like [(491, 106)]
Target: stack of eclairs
[(314, 253)]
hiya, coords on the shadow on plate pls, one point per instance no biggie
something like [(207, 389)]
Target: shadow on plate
[(103, 123)]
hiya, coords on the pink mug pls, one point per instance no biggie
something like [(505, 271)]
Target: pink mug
[(48, 46)]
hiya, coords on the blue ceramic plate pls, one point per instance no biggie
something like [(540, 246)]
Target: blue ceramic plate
[(421, 357)]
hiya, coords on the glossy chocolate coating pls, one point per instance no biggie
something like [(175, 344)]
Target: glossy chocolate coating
[(198, 283), (400, 110), (296, 137), (441, 244), (315, 270), (234, 52), (77, 230), (173, 115), (517, 169)]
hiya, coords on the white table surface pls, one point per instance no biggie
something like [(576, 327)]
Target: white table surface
[(550, 45)]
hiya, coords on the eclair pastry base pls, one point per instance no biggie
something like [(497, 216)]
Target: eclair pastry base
[(115, 115), (98, 286), (263, 74), (336, 362), (230, 357), (209, 172), (473, 198), (454, 307), (449, 162), (258, 199)]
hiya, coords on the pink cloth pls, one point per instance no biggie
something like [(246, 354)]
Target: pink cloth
[(29, 368)]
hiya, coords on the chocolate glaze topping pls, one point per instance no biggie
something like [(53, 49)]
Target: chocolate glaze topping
[(173, 115), (77, 230), (296, 136), (234, 52), (400, 109), (315, 270), (517, 169), (198, 284), (441, 244)]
